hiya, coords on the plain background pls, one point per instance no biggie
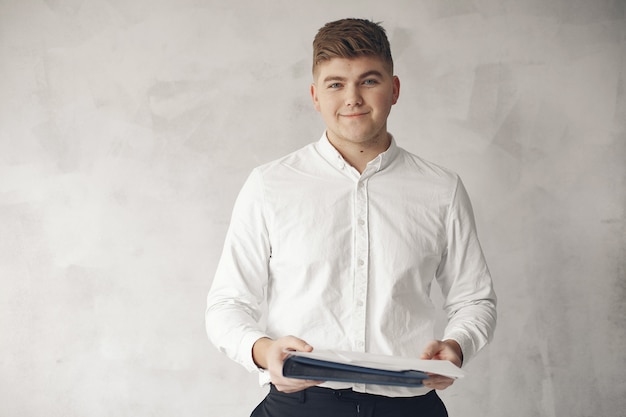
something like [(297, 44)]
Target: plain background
[(128, 126)]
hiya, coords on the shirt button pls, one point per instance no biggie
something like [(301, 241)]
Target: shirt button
[(361, 263), (361, 222), (359, 303)]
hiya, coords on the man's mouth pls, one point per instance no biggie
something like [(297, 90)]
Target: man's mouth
[(353, 115)]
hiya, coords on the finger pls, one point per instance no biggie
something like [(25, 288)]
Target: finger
[(289, 385), (431, 350), (295, 343), (438, 382)]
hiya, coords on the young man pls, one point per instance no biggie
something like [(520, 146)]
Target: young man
[(336, 246)]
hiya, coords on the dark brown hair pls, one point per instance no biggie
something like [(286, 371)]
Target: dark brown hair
[(351, 38)]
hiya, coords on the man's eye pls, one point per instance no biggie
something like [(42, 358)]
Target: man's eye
[(370, 82), (334, 85)]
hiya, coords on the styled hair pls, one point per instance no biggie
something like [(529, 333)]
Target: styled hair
[(351, 38)]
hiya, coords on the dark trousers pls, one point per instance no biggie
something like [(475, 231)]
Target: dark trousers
[(325, 402)]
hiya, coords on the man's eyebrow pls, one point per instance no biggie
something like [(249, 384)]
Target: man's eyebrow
[(364, 75), (333, 78), (370, 73)]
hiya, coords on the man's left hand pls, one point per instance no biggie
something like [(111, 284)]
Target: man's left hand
[(448, 350)]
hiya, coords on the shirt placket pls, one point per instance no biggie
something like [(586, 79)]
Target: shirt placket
[(361, 268), (361, 259)]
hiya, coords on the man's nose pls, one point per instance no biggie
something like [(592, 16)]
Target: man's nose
[(353, 97)]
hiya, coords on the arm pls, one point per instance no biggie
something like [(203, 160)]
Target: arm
[(470, 301), (234, 303)]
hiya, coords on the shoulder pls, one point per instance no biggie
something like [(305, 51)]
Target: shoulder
[(274, 175), (299, 158), (425, 169)]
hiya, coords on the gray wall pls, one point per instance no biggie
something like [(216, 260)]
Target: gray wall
[(127, 128)]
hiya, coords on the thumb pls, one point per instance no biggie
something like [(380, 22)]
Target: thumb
[(297, 344), (431, 350)]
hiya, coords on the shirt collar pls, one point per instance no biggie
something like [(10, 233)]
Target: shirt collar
[(332, 155)]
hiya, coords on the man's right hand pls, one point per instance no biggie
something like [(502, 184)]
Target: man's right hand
[(270, 354)]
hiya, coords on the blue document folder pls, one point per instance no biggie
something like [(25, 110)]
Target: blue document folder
[(301, 367)]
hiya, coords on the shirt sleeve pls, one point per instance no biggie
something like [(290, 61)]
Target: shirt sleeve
[(465, 280), (236, 298)]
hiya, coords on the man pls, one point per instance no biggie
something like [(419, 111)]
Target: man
[(336, 246)]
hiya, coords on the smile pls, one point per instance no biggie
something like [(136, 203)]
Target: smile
[(353, 115)]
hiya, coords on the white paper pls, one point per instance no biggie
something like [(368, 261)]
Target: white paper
[(390, 363)]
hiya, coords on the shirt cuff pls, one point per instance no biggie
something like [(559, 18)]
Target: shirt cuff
[(465, 342), (245, 350)]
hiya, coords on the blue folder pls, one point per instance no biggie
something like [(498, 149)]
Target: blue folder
[(300, 367)]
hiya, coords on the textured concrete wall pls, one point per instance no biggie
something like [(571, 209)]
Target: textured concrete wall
[(127, 128)]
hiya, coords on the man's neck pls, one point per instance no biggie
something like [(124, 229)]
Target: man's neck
[(360, 154)]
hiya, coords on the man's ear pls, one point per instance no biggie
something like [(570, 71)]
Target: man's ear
[(396, 89), (316, 103)]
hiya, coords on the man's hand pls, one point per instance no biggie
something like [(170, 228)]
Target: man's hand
[(269, 354), (448, 350)]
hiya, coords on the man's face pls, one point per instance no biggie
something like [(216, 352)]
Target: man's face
[(354, 97)]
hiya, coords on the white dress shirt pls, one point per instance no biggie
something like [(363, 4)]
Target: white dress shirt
[(345, 260)]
